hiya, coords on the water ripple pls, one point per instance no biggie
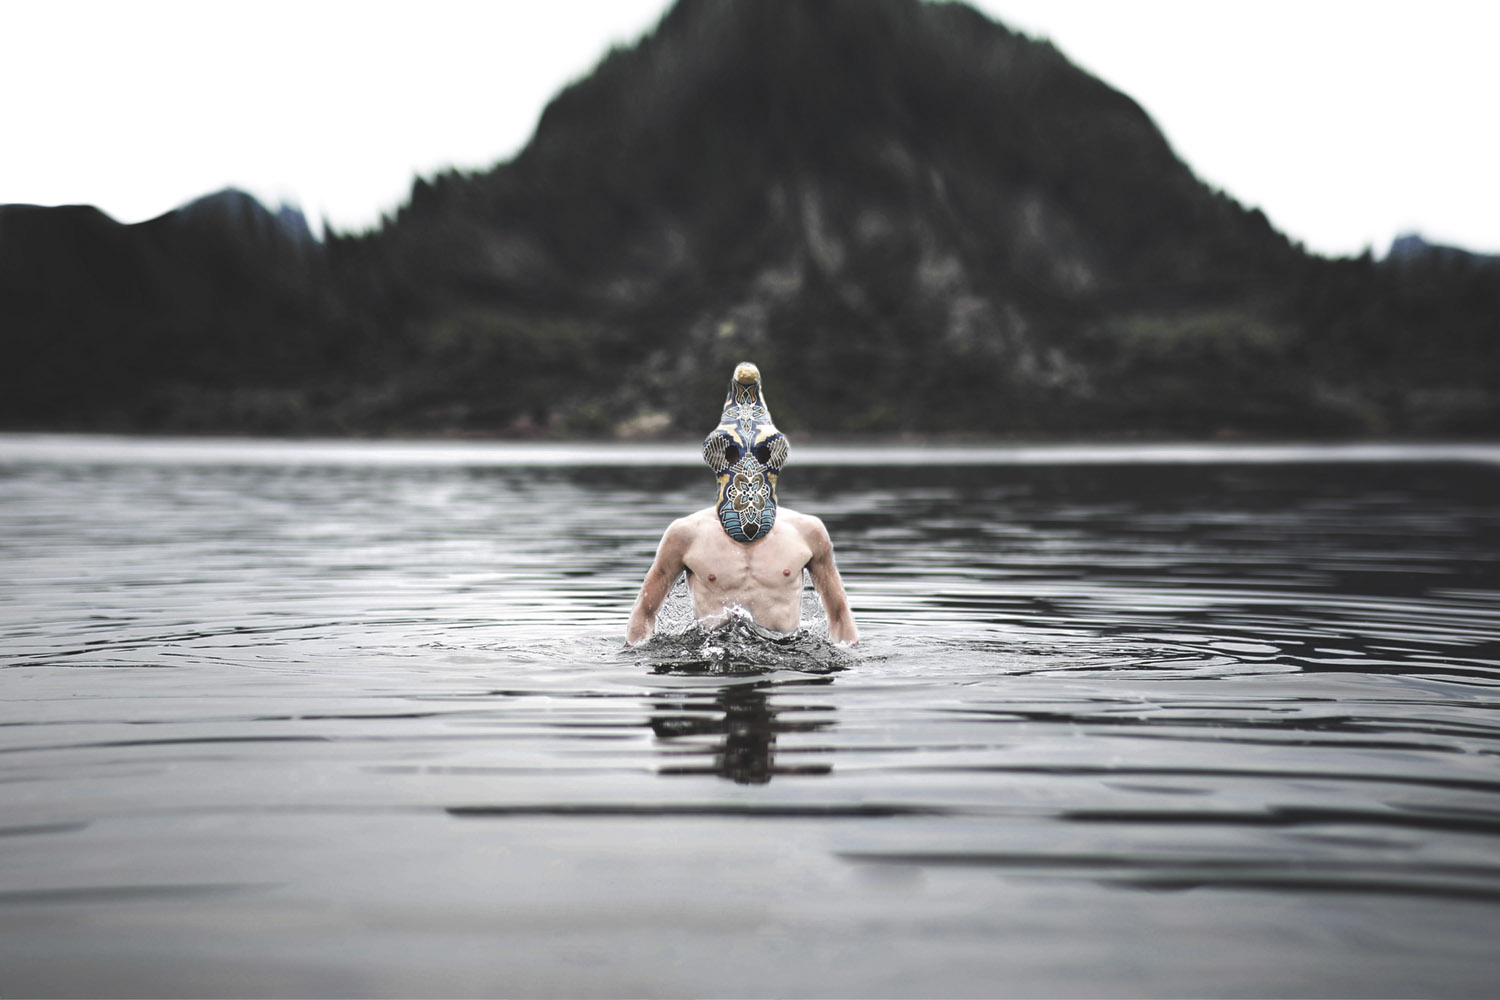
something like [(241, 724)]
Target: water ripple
[(355, 694)]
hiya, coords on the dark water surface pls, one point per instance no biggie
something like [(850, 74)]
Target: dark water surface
[(357, 719)]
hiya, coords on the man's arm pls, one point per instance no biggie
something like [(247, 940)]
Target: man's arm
[(825, 577), (664, 570)]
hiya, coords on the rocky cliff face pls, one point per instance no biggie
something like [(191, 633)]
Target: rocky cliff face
[(912, 218)]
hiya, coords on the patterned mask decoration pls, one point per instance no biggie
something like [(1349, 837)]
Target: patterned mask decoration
[(746, 452)]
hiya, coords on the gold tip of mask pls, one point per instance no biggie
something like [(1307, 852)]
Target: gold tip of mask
[(746, 373)]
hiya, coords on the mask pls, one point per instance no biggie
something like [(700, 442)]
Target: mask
[(746, 452)]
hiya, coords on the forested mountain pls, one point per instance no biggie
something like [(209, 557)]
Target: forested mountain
[(912, 218)]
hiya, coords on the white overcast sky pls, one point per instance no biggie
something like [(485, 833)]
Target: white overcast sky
[(1346, 122)]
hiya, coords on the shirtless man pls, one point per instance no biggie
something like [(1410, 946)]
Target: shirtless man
[(746, 551)]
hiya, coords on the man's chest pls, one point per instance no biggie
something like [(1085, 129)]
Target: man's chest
[(730, 565)]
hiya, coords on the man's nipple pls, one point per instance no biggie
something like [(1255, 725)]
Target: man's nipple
[(786, 572), (712, 577)]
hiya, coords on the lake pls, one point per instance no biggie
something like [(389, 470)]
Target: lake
[(357, 718)]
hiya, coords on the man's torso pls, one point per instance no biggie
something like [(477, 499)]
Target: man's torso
[(764, 577)]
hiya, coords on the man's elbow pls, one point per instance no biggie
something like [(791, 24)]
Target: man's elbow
[(841, 627), (642, 616), (640, 628)]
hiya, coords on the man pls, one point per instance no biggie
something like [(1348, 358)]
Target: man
[(746, 551)]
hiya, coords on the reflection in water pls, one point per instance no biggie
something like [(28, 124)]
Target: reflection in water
[(736, 726)]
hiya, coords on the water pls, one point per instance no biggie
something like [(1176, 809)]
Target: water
[(357, 719)]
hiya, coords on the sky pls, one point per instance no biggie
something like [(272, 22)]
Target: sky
[(1347, 123)]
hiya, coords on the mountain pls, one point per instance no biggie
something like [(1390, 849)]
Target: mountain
[(1410, 247), (142, 326), (891, 204), (912, 218)]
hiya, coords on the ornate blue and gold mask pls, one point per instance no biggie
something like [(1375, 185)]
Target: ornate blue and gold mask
[(746, 452)]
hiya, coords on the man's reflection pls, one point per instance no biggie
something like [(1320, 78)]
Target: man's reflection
[(741, 724)]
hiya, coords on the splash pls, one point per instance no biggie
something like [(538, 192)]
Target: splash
[(737, 645), (676, 615)]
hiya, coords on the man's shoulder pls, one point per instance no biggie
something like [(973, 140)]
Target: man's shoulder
[(808, 525), (692, 524), (796, 516)]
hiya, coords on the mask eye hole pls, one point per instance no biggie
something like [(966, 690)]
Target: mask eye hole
[(720, 451), (763, 453)]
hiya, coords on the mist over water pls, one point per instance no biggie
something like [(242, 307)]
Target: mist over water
[(327, 719)]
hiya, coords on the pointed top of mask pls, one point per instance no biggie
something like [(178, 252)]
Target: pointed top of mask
[(745, 391)]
